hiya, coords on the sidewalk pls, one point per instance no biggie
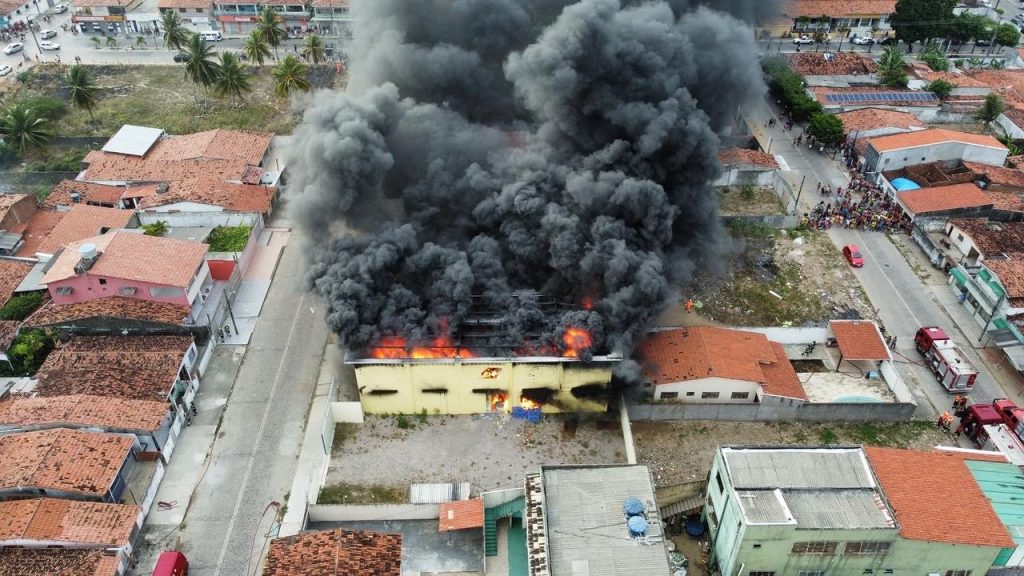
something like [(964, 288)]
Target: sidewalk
[(247, 302)]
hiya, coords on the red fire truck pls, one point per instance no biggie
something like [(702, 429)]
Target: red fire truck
[(1001, 411), (951, 367)]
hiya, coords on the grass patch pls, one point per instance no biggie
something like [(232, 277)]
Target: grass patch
[(748, 301), (229, 238), (342, 431), (828, 436), (344, 493), (897, 435), (748, 200), (56, 160)]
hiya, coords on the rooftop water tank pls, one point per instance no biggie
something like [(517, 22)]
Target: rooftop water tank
[(87, 251), (633, 506), (637, 525)]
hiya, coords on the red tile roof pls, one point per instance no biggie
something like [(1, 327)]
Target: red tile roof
[(1011, 277), (997, 174), (110, 414), (957, 79), (185, 4), (815, 8), (134, 256), (8, 332), (131, 367), (63, 460), (12, 273), (838, 63), (1006, 201), (859, 340), (746, 157), (114, 307), (95, 194), (992, 238), (700, 352), (232, 197), (51, 561), (35, 231), (780, 378), (460, 515), (929, 137), (864, 119), (67, 521), (941, 198), (1007, 83), (920, 486), (335, 552), (83, 221)]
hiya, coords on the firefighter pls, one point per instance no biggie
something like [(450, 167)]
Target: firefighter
[(959, 404), (945, 420)]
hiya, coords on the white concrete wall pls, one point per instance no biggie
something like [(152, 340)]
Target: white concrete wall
[(691, 390), (371, 512), (498, 497), (742, 177), (966, 244), (793, 335), (1009, 127), (201, 219), (347, 412), (895, 159)]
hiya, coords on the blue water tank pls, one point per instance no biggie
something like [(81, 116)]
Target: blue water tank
[(637, 525), (633, 506)]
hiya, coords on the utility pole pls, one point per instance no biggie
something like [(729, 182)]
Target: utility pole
[(231, 313), (796, 205), (995, 310)]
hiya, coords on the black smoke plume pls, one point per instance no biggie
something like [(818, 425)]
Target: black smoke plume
[(539, 163)]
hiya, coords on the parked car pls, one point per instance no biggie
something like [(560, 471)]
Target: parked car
[(5, 70), (111, 27), (14, 47), (171, 563), (983, 42), (888, 41), (852, 255), (181, 57), (864, 41), (47, 34), (97, 27), (804, 39), (60, 8), (47, 45)]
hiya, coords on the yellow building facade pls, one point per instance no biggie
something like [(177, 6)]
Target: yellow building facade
[(477, 385)]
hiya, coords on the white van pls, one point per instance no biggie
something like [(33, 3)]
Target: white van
[(211, 36)]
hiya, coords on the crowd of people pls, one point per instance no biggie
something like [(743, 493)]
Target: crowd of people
[(870, 209)]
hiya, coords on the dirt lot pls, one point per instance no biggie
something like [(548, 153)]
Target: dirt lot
[(683, 451), (804, 269), (753, 201), (491, 451)]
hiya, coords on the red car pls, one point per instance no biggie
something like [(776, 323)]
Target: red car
[(852, 255)]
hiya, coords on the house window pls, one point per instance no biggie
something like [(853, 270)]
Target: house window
[(166, 292), (960, 237), (689, 393), (958, 573), (740, 395), (818, 548), (721, 486), (761, 573), (382, 392), (708, 395), (103, 281), (127, 291), (669, 395), (812, 573), (867, 548), (757, 546), (182, 10), (64, 290), (199, 10), (435, 390)]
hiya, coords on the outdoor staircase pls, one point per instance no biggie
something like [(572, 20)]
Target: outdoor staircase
[(491, 517)]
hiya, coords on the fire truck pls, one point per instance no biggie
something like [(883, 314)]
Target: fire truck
[(1002, 411), (951, 367)]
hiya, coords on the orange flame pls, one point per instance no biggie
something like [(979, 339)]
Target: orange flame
[(528, 404), (576, 340), (396, 348)]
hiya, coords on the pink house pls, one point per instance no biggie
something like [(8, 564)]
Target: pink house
[(132, 265)]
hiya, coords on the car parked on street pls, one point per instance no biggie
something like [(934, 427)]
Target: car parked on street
[(181, 57), (47, 34), (864, 41), (804, 39), (852, 255), (14, 47), (97, 27), (983, 42), (5, 70), (60, 8), (888, 41), (47, 45)]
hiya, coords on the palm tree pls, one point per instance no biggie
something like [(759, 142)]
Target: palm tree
[(95, 41), (175, 34), (23, 129), (290, 75), (82, 88), (270, 28), (111, 42), (140, 41), (231, 77), (256, 48), (314, 49), (200, 67)]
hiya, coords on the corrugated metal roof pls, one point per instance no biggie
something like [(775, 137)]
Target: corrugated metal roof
[(133, 140), (754, 468), (764, 507), (1003, 486), (438, 493), (838, 509)]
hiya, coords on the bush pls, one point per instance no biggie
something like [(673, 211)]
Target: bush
[(825, 127), (934, 58), (158, 228), (21, 305), (941, 88), (229, 238), (45, 106), (28, 351), (67, 161)]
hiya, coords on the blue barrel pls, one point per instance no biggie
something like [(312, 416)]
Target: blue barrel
[(637, 525), (633, 507)]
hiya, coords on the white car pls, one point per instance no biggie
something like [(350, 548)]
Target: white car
[(47, 34), (803, 40), (45, 45), (864, 41), (5, 70), (13, 47), (60, 8)]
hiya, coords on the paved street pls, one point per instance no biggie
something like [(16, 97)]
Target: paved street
[(903, 302)]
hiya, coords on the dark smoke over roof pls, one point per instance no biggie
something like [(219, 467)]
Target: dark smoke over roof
[(490, 154)]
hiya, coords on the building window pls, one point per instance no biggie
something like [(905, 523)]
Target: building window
[(819, 548), (740, 395), (721, 486), (382, 392), (761, 573), (960, 237), (182, 10), (958, 573), (103, 281), (199, 10), (812, 573), (166, 292), (64, 290), (669, 395), (127, 291), (689, 393), (868, 548), (435, 390), (757, 546), (708, 395)]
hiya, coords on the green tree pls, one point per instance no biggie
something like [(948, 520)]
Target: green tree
[(991, 109), (892, 68), (256, 48), (158, 228), (314, 50), (95, 41), (921, 20), (1007, 35), (25, 130), (788, 86), (175, 34), (29, 350), (941, 88), (82, 89), (290, 75), (140, 41), (826, 127), (111, 41), (934, 57), (269, 27), (232, 79), (21, 305), (967, 27), (200, 67)]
